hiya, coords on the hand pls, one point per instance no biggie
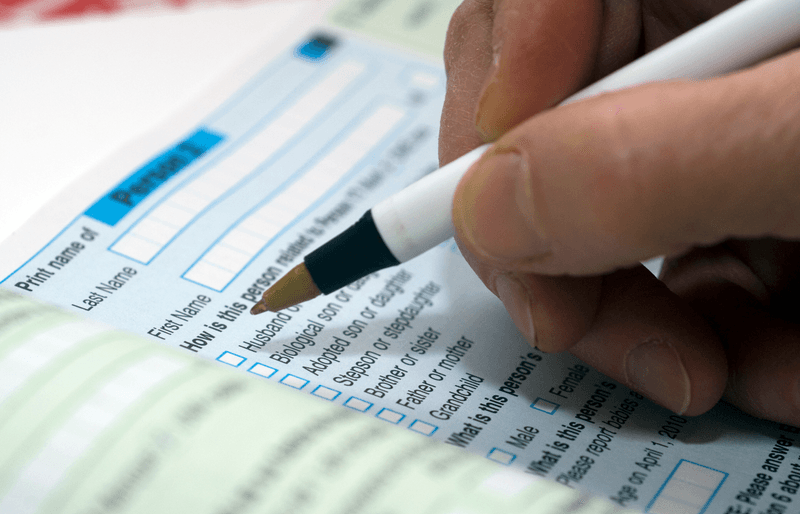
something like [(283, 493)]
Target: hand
[(556, 217)]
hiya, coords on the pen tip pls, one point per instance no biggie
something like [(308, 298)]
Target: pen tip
[(259, 307), (295, 287)]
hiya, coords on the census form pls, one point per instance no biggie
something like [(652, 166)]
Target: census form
[(184, 241)]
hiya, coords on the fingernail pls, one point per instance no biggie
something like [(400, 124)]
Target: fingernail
[(492, 207), (518, 304), (654, 369), (488, 103)]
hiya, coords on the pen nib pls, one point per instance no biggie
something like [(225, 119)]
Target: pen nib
[(295, 287), (259, 307)]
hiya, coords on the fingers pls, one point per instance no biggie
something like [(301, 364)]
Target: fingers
[(627, 325), (541, 52), (512, 58), (553, 313), (467, 56), (644, 336), (764, 359), (605, 183), (763, 349)]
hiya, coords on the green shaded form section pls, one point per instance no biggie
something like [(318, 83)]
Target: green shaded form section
[(415, 24), (195, 438)]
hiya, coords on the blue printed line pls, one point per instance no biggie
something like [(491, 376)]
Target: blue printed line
[(234, 145), (366, 159)]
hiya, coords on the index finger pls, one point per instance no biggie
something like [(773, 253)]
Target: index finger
[(519, 56)]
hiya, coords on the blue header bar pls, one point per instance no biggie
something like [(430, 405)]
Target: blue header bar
[(130, 192)]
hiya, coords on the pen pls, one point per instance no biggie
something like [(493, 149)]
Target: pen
[(418, 218)]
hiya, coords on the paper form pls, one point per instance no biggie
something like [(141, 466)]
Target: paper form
[(117, 424), (178, 252)]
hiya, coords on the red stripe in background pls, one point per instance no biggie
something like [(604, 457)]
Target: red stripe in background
[(33, 11)]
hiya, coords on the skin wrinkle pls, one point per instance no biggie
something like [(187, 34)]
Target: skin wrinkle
[(464, 62), (467, 17)]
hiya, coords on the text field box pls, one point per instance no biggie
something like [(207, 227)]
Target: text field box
[(688, 490), (156, 229), (227, 257)]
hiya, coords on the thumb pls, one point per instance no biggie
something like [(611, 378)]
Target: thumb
[(613, 180)]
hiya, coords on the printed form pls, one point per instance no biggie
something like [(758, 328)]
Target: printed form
[(182, 246)]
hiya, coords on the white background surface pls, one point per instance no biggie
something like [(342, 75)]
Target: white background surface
[(71, 93)]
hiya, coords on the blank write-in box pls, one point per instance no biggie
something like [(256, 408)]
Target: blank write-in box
[(545, 406), (294, 381), (390, 416), (326, 393), (357, 404), (231, 359), (689, 489), (223, 261), (157, 228), (423, 427), (262, 370), (501, 456)]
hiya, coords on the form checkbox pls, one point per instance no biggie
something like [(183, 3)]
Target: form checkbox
[(326, 393), (294, 381), (262, 370), (357, 404), (545, 406), (231, 359), (390, 416), (421, 427), (501, 456)]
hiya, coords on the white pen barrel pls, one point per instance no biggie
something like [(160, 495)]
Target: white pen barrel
[(420, 216), (741, 36)]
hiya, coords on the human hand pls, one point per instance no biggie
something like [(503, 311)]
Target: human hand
[(556, 217)]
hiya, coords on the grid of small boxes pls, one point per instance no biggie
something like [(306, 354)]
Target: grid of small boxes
[(326, 393), (495, 454)]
